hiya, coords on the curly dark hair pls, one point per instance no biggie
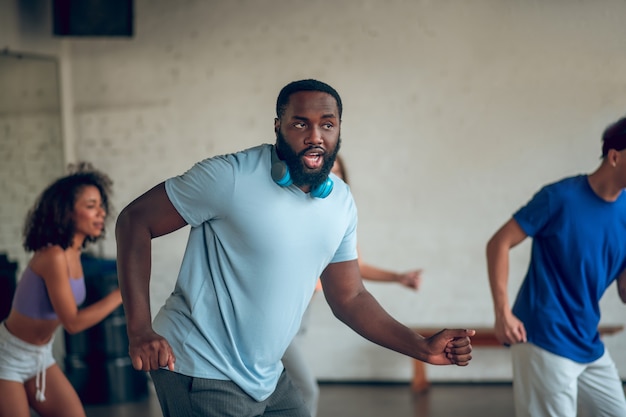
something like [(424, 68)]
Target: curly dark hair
[(49, 221)]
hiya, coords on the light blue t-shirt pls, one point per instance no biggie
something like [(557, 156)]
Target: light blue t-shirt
[(578, 250), (254, 254)]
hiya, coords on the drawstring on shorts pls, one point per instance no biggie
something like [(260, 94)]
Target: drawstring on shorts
[(40, 379)]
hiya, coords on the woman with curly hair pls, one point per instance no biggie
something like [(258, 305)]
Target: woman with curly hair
[(69, 214)]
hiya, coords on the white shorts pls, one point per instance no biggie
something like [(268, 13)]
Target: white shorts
[(21, 361), (545, 384)]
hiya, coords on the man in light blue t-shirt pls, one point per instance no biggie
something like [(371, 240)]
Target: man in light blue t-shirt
[(578, 227), (265, 223)]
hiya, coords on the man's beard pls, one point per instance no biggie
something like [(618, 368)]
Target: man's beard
[(300, 174)]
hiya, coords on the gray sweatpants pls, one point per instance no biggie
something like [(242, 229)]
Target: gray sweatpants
[(185, 396)]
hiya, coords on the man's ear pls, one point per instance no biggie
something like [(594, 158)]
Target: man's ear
[(276, 125), (613, 157)]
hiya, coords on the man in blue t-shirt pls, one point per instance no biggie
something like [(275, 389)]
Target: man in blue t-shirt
[(266, 222), (578, 227)]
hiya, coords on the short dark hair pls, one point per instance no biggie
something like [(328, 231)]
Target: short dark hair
[(304, 85), (49, 221), (614, 137)]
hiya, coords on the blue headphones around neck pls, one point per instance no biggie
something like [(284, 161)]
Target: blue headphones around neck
[(281, 176)]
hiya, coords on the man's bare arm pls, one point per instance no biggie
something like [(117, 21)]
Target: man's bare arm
[(149, 216)]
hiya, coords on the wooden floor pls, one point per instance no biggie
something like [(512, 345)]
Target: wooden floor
[(372, 400), (384, 400)]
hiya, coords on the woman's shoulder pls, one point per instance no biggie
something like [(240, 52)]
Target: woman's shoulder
[(47, 258)]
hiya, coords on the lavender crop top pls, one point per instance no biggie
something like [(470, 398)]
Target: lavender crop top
[(31, 296)]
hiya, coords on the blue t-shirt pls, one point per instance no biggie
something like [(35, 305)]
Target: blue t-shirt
[(578, 250), (254, 254)]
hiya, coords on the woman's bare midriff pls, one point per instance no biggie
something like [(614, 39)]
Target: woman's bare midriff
[(33, 331)]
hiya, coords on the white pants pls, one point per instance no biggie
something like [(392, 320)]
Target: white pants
[(545, 384)]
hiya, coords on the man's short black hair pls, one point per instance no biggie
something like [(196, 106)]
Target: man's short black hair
[(614, 137), (304, 85)]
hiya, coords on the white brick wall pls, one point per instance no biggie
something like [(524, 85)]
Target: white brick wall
[(31, 146)]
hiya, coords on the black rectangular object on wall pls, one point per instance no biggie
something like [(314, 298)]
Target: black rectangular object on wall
[(8, 283), (93, 17)]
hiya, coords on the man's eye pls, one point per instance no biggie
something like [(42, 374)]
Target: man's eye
[(299, 125), (328, 126)]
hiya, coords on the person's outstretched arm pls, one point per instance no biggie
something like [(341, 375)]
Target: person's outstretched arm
[(410, 279), (509, 329), (151, 215), (356, 307)]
